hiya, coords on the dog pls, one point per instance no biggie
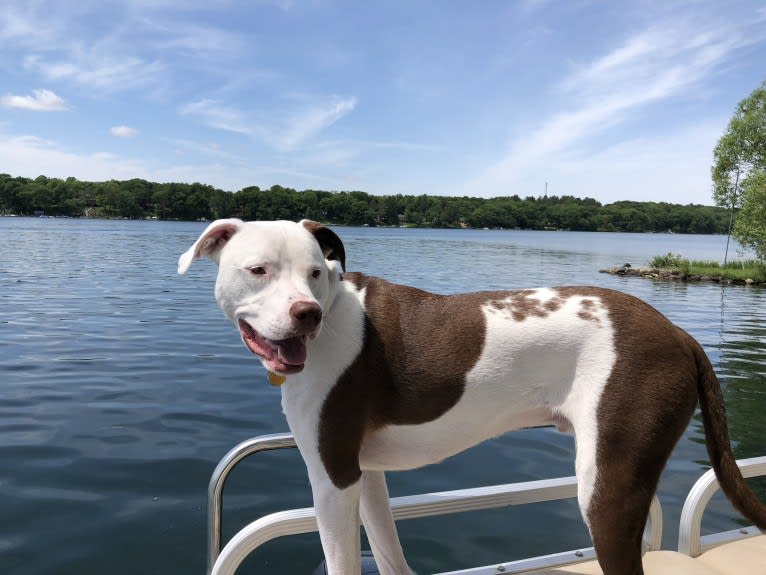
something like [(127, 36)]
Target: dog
[(378, 376)]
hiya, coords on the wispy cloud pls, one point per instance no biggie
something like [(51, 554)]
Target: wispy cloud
[(199, 41), (404, 146), (123, 131), (212, 149), (21, 27), (308, 122), (103, 71), (643, 168), (39, 101), (299, 125), (52, 42), (656, 64), (29, 155), (217, 115)]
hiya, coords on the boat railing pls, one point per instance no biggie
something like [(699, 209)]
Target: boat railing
[(225, 561), (218, 479), (690, 539)]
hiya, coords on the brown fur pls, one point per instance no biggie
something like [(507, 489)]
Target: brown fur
[(418, 347), (387, 384)]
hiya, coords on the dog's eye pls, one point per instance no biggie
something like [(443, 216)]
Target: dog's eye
[(258, 270), (316, 273)]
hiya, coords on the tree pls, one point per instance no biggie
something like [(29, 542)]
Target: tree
[(739, 160), (750, 227)]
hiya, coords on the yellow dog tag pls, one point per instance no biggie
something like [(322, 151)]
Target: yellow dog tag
[(275, 379)]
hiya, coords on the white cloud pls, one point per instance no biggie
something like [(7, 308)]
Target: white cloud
[(286, 135), (202, 41), (30, 155), (217, 115), (123, 131), (102, 71), (213, 149), (663, 62), (19, 25), (54, 42), (674, 167), (39, 101), (310, 121)]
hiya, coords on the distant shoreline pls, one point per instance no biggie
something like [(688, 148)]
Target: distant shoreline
[(141, 199)]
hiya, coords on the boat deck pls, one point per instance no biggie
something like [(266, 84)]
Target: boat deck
[(744, 557)]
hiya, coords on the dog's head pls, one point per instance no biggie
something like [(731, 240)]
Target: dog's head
[(275, 281)]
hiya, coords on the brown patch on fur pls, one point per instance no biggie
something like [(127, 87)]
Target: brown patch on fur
[(521, 304), (554, 304), (418, 348), (587, 311)]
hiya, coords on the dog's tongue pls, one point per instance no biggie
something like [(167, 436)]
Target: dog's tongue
[(287, 352), (291, 351)]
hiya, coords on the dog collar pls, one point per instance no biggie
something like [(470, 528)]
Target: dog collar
[(275, 379)]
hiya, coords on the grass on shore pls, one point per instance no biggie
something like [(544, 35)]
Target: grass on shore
[(734, 270)]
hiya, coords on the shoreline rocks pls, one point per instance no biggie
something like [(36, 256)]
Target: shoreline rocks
[(674, 275)]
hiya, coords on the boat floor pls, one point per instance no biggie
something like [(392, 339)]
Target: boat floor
[(741, 557)]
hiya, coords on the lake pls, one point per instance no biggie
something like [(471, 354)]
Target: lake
[(122, 385)]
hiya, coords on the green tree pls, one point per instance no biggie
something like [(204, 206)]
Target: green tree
[(750, 227), (739, 161)]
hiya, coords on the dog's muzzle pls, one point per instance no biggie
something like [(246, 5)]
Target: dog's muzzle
[(283, 356)]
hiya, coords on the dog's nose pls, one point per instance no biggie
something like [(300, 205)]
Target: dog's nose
[(306, 314)]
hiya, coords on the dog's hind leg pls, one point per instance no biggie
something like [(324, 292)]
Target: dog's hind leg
[(613, 506), (624, 463), (379, 525), (613, 511), (616, 517)]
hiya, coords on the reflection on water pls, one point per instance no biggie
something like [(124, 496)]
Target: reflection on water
[(122, 386)]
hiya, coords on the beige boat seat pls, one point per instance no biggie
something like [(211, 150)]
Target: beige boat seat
[(741, 557)]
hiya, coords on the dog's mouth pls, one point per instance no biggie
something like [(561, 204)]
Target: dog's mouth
[(284, 356)]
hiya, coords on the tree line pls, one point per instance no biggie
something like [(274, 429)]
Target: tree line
[(140, 199)]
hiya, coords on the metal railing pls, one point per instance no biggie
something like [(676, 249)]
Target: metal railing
[(218, 479), (226, 561), (690, 540)]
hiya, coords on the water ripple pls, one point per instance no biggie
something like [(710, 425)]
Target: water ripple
[(122, 386)]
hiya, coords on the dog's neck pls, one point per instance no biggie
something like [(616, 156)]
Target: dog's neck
[(329, 355)]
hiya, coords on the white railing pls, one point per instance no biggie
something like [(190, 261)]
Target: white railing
[(218, 479), (226, 561), (690, 540)]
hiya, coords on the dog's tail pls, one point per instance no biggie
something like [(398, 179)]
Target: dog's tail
[(719, 446)]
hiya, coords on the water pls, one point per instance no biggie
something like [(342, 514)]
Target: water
[(122, 385)]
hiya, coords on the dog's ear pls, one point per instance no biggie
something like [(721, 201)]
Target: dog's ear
[(332, 246), (210, 242)]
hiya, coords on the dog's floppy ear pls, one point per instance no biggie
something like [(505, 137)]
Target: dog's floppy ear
[(332, 246), (210, 242)]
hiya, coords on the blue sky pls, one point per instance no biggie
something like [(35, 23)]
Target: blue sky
[(609, 100)]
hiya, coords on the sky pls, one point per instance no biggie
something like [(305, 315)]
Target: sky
[(607, 100)]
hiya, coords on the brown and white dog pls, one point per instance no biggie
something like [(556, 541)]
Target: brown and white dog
[(383, 376)]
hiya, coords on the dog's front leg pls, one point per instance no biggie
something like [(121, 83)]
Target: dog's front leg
[(337, 512), (336, 502), (379, 525)]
